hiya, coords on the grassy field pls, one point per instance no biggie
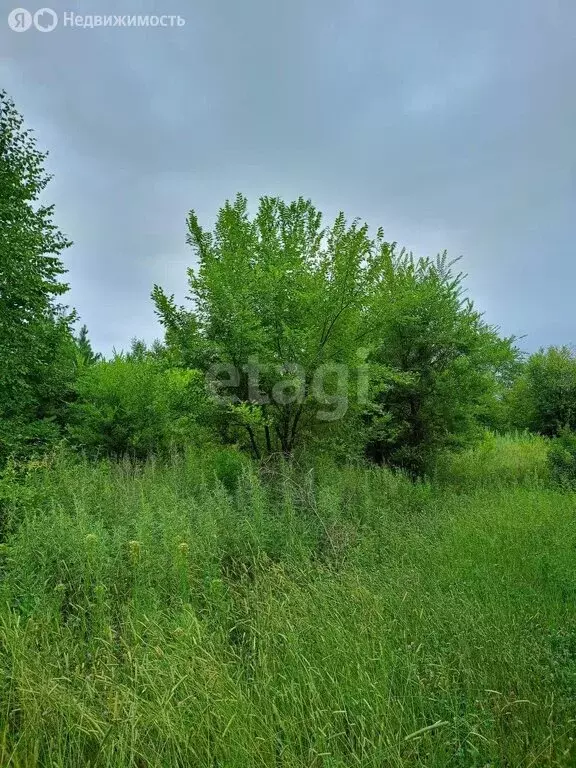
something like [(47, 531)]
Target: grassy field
[(209, 614)]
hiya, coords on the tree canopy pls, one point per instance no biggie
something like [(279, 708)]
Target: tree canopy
[(36, 348), (306, 325)]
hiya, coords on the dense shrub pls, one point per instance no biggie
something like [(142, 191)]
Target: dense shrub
[(447, 362), (136, 407), (543, 398), (562, 458)]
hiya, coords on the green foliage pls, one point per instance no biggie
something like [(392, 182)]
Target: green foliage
[(496, 461), (543, 398), (314, 331), (133, 405), (85, 353), (562, 458), (32, 422), (449, 362), (150, 616), (36, 349), (228, 465), (276, 298)]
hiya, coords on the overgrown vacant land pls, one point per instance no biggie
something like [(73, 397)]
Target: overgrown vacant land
[(327, 521), (209, 613)]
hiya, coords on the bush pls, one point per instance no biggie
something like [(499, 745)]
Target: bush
[(135, 407), (562, 458), (447, 363), (543, 399)]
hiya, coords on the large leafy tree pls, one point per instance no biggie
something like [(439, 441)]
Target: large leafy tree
[(296, 316), (36, 347), (449, 360), (279, 312)]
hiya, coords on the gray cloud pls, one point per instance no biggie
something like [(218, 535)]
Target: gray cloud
[(450, 125)]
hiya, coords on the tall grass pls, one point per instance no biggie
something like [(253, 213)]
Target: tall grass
[(208, 614), (498, 460)]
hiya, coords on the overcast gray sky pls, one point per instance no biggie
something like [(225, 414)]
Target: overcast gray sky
[(452, 124)]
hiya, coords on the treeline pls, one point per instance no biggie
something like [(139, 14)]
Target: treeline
[(300, 337)]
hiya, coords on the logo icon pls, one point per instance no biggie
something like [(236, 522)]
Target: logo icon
[(19, 20), (45, 20)]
